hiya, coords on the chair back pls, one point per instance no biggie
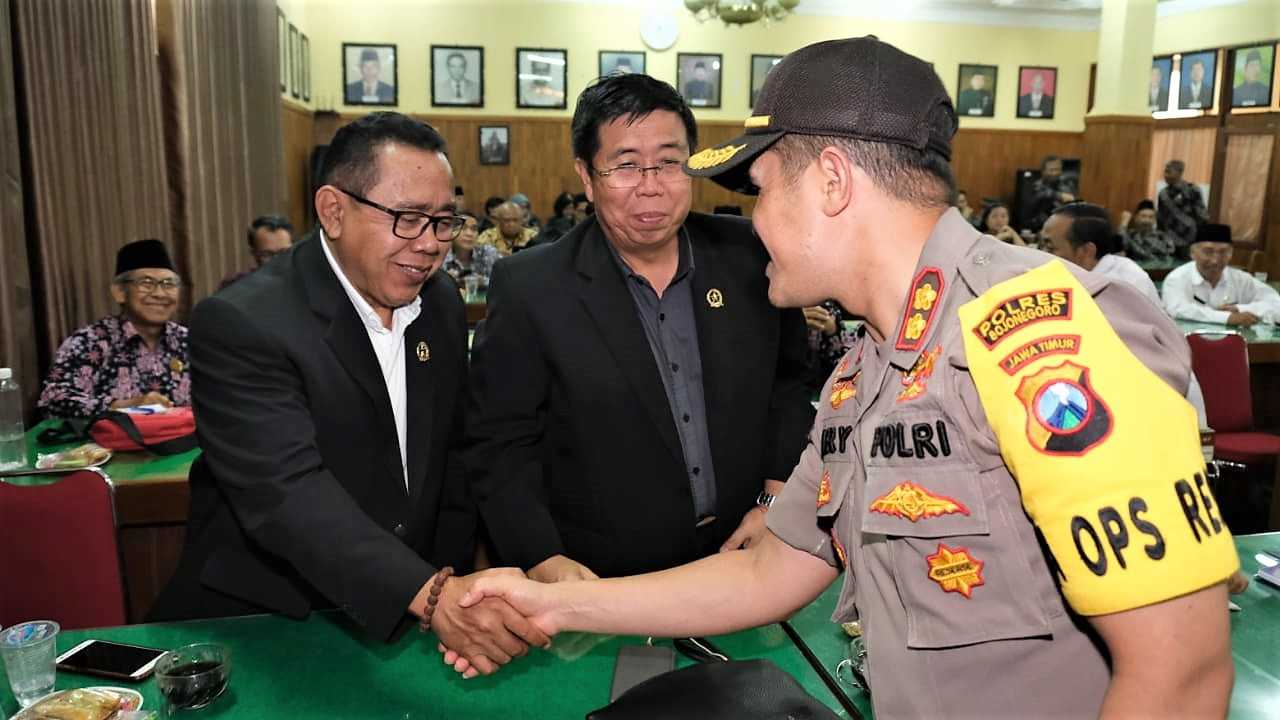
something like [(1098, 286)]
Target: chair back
[(59, 559), (1221, 364), (1257, 262)]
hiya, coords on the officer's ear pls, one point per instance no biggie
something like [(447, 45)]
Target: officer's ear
[(838, 180)]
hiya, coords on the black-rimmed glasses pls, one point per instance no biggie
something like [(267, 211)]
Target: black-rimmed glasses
[(629, 176), (411, 224), (149, 285)]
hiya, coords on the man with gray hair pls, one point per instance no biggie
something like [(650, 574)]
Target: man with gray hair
[(1181, 209)]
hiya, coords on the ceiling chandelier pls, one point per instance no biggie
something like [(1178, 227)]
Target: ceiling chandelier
[(741, 12)]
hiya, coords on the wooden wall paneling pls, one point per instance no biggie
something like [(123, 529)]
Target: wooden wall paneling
[(1117, 156), (298, 127), (986, 162)]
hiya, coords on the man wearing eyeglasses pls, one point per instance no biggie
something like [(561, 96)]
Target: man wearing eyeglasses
[(138, 357), (635, 401), (269, 235), (1208, 289), (327, 397)]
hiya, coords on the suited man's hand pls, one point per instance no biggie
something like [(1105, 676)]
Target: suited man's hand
[(559, 568), (488, 634)]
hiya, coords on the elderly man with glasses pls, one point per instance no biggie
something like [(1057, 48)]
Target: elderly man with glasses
[(138, 357), (635, 401)]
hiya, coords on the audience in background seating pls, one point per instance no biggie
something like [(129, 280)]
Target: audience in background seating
[(966, 211), (582, 208), (562, 220), (828, 341), (1181, 208), (490, 205), (1050, 191), (1081, 233), (1208, 289), (138, 357), (466, 257), (459, 199), (269, 235), (995, 222), (509, 232), (522, 201), (1142, 239)]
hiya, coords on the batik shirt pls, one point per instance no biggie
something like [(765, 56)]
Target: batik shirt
[(1150, 244), (482, 259), (1180, 212), (1045, 198), (108, 361)]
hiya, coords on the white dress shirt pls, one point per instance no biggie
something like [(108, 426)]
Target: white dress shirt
[(1190, 297), (1119, 267), (388, 345)]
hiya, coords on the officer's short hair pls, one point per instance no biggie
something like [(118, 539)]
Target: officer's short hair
[(922, 178), (1089, 224)]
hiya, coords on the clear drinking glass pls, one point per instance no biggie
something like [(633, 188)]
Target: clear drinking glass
[(192, 677), (29, 651)]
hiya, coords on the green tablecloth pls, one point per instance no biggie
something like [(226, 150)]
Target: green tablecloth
[(1260, 333), (322, 668), (123, 467), (1255, 637)]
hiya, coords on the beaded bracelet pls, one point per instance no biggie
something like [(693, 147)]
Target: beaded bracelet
[(433, 597)]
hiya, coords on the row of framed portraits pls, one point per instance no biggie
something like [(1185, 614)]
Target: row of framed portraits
[(295, 59), (371, 75), (976, 91), (1250, 70)]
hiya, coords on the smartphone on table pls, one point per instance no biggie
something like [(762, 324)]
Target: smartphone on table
[(131, 663)]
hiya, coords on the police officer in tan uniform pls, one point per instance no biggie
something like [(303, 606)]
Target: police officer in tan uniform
[(1004, 466)]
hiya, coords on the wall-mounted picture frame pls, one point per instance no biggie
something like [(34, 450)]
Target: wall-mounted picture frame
[(282, 40), (295, 82), (457, 76), (1199, 71), (370, 74), (976, 90), (542, 78), (1037, 88), (1158, 87), (1252, 75), (761, 65), (306, 68), (495, 145), (614, 62), (698, 78)]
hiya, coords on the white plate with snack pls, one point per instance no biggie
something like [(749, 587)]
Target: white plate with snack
[(93, 703)]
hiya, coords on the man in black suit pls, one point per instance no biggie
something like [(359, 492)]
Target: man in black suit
[(1157, 90), (1251, 91), (370, 89), (633, 391), (699, 90), (1036, 104), (326, 390), (1197, 92)]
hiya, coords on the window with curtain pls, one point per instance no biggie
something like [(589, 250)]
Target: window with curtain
[(1245, 177)]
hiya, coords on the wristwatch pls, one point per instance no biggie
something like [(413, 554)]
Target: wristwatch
[(765, 500)]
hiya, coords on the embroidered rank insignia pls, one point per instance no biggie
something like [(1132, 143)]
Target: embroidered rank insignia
[(910, 501), (844, 390), (843, 367), (921, 308), (824, 488), (955, 570), (916, 380), (177, 365), (1064, 415), (835, 543)]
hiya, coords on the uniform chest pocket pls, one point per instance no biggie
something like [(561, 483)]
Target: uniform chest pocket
[(959, 564)]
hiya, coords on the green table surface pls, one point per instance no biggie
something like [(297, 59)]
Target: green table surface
[(1260, 333), (1255, 637), (323, 668), (123, 466), (1166, 264)]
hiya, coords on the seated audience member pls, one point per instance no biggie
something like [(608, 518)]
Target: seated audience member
[(828, 341), (269, 236), (508, 233), (1181, 208), (138, 357), (459, 200), (562, 220), (466, 257), (966, 211), (522, 201), (582, 208), (1050, 191), (995, 222), (490, 205), (1081, 233), (632, 390), (1142, 239), (1208, 289)]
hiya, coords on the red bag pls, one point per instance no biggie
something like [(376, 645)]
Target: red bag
[(167, 433)]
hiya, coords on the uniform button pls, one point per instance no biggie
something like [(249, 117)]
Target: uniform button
[(662, 317), (697, 471), (400, 530), (686, 417), (675, 367)]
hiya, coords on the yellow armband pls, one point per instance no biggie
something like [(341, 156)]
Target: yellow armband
[(1105, 453)]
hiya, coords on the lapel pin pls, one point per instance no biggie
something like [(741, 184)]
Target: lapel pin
[(424, 352), (715, 298)]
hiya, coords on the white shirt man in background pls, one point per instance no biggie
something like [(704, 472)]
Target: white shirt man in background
[(1208, 290)]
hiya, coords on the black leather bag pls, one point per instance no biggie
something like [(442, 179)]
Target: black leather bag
[(739, 690)]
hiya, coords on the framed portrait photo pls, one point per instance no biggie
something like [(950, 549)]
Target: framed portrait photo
[(614, 62), (457, 76), (369, 74), (495, 145), (698, 78), (305, 54), (760, 67), (1199, 71), (1252, 74), (542, 78), (295, 67), (976, 94), (1037, 88), (1158, 88), (282, 39)]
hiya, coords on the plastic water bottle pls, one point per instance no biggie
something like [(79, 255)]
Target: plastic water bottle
[(13, 441)]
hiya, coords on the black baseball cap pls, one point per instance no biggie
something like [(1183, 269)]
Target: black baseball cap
[(859, 88)]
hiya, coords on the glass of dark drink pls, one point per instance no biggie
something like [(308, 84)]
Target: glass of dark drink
[(193, 676)]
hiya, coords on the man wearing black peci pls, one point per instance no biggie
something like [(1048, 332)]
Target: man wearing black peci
[(633, 391), (327, 404)]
